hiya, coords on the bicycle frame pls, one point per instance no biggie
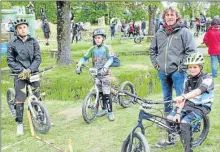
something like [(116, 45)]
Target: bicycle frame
[(143, 115), (95, 88), (31, 96)]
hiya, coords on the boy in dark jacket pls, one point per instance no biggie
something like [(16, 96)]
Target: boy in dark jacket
[(195, 101), (23, 58)]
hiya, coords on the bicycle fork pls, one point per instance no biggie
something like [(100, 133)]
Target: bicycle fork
[(138, 125)]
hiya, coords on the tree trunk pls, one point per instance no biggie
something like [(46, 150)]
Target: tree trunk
[(151, 13), (63, 33)]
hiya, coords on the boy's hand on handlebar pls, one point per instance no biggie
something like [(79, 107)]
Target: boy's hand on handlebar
[(26, 73), (179, 99), (104, 70), (176, 118), (78, 69)]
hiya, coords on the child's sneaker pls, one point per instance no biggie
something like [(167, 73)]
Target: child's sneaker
[(164, 144), (102, 113), (111, 116), (20, 129)]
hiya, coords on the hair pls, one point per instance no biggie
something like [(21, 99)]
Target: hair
[(215, 21), (173, 10)]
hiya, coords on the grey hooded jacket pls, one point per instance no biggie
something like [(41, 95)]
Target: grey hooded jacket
[(169, 51), (23, 55)]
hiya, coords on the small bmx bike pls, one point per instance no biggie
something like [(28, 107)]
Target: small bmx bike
[(92, 101)]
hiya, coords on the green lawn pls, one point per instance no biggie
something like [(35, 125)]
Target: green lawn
[(100, 136)]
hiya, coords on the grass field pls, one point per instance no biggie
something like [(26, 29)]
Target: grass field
[(102, 135)]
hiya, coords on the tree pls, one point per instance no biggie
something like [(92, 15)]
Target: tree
[(191, 8), (63, 33), (152, 9), (214, 9)]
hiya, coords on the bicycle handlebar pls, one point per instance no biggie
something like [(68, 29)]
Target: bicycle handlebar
[(144, 100), (41, 71)]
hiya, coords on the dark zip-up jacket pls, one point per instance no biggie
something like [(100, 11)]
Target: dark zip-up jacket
[(169, 51), (23, 55)]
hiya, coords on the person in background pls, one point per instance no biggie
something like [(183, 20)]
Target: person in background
[(123, 28), (131, 29), (112, 29), (46, 30), (143, 26), (212, 41)]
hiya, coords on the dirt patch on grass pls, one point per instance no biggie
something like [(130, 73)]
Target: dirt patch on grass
[(71, 112)]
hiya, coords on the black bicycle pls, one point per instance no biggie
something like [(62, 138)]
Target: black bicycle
[(136, 141)]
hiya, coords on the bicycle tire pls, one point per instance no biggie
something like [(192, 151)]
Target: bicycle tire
[(126, 101), (137, 40), (11, 101), (143, 146), (42, 122), (93, 106), (204, 132)]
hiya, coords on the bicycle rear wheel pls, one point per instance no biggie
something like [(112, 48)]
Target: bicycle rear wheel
[(124, 100), (42, 121), (11, 100), (139, 143), (89, 108), (200, 135)]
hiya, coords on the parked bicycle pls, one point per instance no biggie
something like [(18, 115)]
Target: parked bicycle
[(136, 141), (39, 114), (138, 39), (92, 101)]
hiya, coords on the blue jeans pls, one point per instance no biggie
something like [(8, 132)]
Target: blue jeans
[(168, 82), (214, 64), (189, 117)]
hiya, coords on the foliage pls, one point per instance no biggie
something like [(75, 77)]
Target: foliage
[(49, 6), (5, 5), (50, 10), (214, 9), (191, 9)]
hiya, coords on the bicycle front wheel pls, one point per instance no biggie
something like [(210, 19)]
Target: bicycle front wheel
[(139, 143), (125, 100), (11, 100), (41, 122), (89, 108)]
